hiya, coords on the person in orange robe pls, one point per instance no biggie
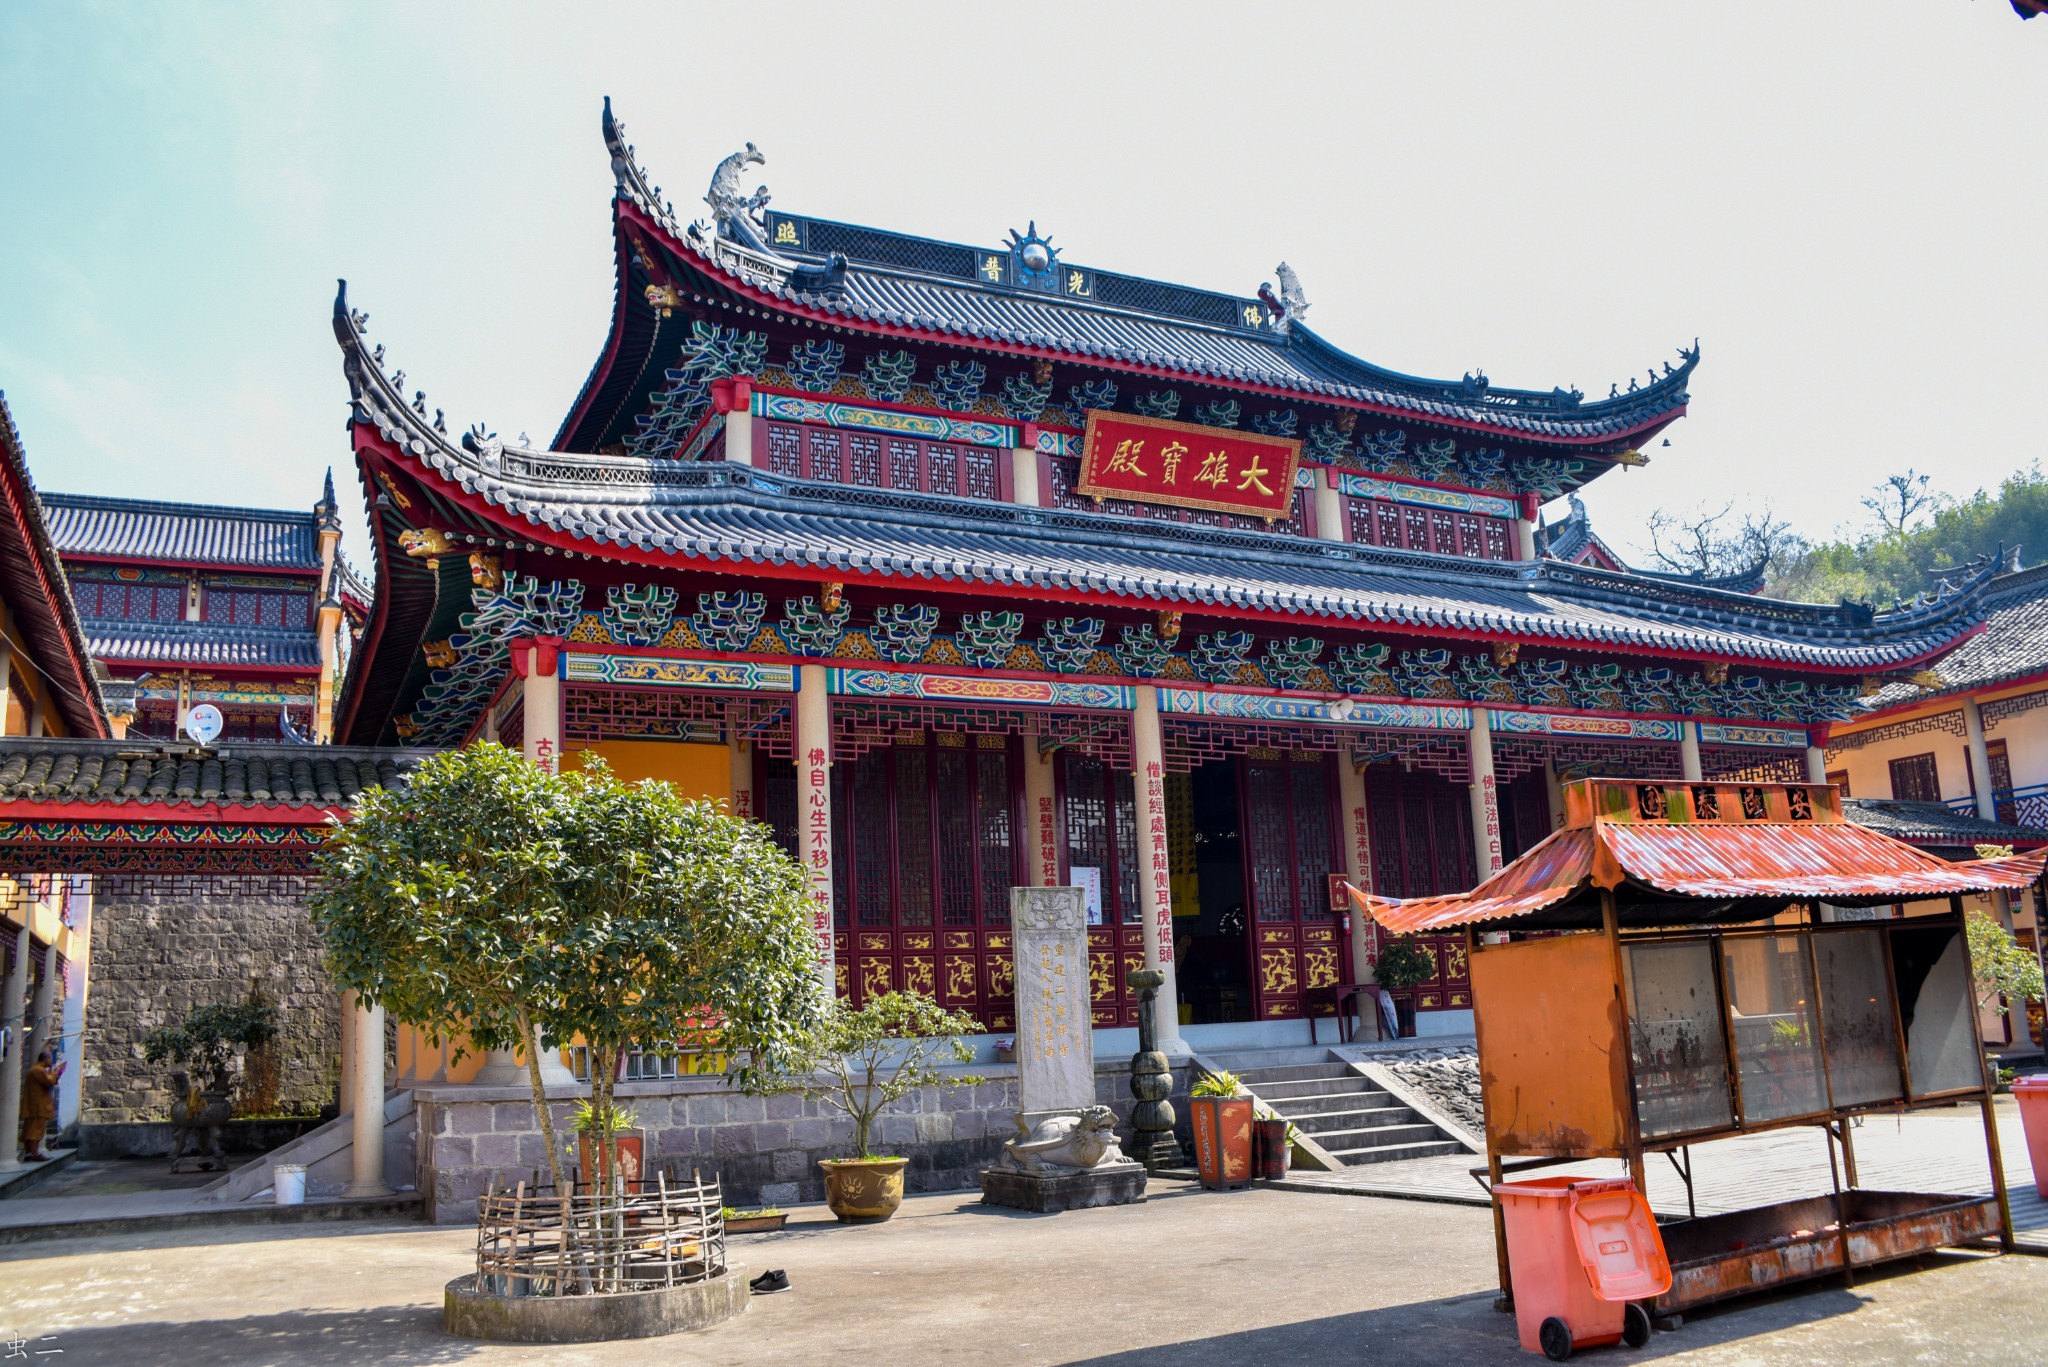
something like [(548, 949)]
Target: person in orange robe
[(38, 1105)]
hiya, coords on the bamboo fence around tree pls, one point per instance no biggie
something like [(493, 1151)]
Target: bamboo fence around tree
[(636, 1237)]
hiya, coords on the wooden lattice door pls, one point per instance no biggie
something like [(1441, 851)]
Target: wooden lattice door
[(1099, 814), (1287, 813), (1422, 847)]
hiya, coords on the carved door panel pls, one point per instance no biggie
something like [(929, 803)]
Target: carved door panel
[(1098, 814), (1287, 818), (1421, 847)]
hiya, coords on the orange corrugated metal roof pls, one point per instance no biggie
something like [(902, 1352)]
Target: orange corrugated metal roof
[(1824, 860)]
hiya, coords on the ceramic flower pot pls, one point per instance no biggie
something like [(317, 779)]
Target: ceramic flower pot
[(1223, 1140), (1270, 1150), (864, 1191)]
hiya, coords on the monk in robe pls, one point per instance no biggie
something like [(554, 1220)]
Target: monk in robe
[(38, 1105)]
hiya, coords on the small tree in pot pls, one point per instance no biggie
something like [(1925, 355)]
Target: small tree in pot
[(1402, 964), (861, 1060)]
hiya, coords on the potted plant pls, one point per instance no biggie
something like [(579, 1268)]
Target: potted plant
[(763, 1221), (1222, 1118), (204, 1044), (2002, 971), (614, 1134), (859, 1061), (1402, 964)]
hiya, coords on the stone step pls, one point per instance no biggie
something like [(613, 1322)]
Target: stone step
[(1314, 1086), (1294, 1106), (1379, 1117), (1342, 1141), (1393, 1153), (1237, 1061), (1296, 1072)]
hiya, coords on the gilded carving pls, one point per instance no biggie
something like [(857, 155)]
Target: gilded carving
[(920, 976), (874, 977), (960, 980), (1320, 966), (1276, 972)]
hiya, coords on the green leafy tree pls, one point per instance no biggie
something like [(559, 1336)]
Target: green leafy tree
[(441, 900), (2002, 970), (860, 1060), (491, 902), (682, 928), (206, 1040)]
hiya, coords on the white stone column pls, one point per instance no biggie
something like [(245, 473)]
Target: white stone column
[(1816, 764), (1155, 872), (735, 399), (13, 1000), (1525, 529), (6, 678), (1980, 759), (507, 1068), (814, 810), (367, 1114), (77, 984), (1357, 862), (345, 1084), (541, 736), (1689, 752), (1024, 476), (1486, 846), (1041, 818), (741, 756), (42, 1009), (1329, 506)]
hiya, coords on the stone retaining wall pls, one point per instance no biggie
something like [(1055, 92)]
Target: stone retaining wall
[(162, 945), (765, 1150)]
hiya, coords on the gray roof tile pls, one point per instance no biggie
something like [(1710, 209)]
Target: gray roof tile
[(182, 533), (150, 772)]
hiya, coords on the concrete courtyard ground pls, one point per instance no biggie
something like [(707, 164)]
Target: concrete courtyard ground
[(1262, 1277)]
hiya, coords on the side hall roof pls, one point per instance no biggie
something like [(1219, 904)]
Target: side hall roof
[(144, 530), (115, 773), (2012, 646), (37, 594), (719, 514), (202, 643)]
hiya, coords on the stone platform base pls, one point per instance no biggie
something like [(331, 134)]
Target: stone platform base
[(1111, 1184), (469, 1313)]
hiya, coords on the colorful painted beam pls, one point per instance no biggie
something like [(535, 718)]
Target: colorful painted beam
[(1427, 496), (651, 671)]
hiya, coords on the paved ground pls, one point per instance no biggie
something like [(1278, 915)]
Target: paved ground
[(1262, 1277), (1932, 1151)]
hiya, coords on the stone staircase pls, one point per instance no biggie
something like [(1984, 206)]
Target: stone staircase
[(1336, 1107)]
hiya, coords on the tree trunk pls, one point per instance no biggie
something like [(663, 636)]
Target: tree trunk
[(547, 1132)]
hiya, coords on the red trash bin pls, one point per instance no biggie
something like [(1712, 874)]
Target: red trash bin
[(1580, 1250), (2032, 1095)]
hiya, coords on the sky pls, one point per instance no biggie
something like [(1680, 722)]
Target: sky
[(1844, 202)]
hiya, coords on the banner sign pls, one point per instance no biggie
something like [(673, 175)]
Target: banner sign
[(1150, 460)]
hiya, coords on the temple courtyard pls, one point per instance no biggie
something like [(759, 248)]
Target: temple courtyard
[(1262, 1276)]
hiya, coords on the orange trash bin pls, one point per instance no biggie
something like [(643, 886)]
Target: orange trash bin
[(1580, 1251), (2032, 1095)]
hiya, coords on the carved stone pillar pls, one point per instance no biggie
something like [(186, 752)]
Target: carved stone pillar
[(538, 661), (1689, 752), (1153, 1143)]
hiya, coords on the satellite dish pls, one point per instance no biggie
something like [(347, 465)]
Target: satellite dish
[(203, 723)]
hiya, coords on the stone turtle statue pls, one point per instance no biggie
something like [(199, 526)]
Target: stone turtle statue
[(1064, 1143)]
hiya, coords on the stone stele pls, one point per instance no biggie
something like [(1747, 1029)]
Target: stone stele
[(1055, 1026)]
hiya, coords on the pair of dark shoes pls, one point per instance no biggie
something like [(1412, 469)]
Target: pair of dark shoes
[(773, 1280)]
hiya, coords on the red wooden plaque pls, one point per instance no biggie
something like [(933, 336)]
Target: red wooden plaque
[(1150, 460)]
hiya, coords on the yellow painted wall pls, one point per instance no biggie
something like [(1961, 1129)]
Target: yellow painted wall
[(698, 771), (2026, 745)]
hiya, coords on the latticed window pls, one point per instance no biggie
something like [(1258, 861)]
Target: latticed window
[(1421, 832), (258, 608), (1101, 819), (1915, 779), (1286, 807), (927, 834), (129, 602)]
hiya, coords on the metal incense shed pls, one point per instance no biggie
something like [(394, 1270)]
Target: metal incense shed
[(1658, 973)]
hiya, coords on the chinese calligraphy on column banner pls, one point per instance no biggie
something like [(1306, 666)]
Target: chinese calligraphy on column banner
[(1153, 815), (815, 786), (1150, 460), (1489, 796)]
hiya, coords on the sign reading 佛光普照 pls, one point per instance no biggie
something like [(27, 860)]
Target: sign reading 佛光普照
[(1150, 460)]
